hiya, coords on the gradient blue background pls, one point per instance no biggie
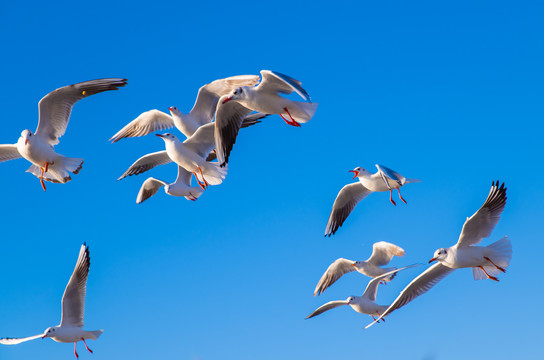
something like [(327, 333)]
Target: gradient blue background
[(447, 92)]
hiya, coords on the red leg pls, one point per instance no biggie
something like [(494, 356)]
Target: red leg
[(293, 121), (86, 345), (498, 267), (400, 196), (75, 352), (488, 276), (391, 197), (41, 177), (198, 181), (205, 182)]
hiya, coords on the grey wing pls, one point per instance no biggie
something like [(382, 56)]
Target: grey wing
[(481, 224), (147, 162), (420, 285), (73, 300), (345, 202), (385, 172), (229, 117), (383, 252), (208, 95), (274, 81), (146, 123), (148, 189), (334, 272), (328, 306), (372, 287), (55, 107), (14, 341), (9, 152), (202, 141)]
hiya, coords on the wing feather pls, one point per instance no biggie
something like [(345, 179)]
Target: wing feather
[(345, 202), (73, 300), (328, 306), (146, 123), (147, 162), (334, 272), (9, 152), (383, 252), (273, 81)]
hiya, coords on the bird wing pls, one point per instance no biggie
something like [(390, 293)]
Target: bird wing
[(328, 306), (209, 94), (385, 173), (372, 287), (345, 202), (276, 82), (383, 252), (147, 162), (229, 117), (148, 189), (73, 300), (146, 123), (14, 341), (481, 224), (334, 272), (9, 152), (55, 107), (417, 287), (202, 141)]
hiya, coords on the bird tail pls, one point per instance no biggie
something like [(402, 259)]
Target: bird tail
[(213, 173), (95, 334), (302, 112), (500, 252), (407, 181), (59, 171)]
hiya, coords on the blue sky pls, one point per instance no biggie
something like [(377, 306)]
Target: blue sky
[(450, 93)]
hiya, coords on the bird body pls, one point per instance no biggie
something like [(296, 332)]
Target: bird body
[(72, 334)]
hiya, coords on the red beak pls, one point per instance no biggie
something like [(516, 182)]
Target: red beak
[(159, 135), (171, 108), (226, 100), (433, 259), (353, 264), (26, 141), (355, 172), (43, 337)]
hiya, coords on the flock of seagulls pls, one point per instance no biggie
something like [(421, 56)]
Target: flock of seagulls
[(210, 130)]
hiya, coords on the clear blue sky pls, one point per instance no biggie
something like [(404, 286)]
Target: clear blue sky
[(450, 93)]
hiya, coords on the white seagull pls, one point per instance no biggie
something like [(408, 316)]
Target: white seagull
[(382, 253), (485, 261), (73, 308), (384, 179), (364, 304), (265, 98), (181, 187), (55, 109), (201, 114)]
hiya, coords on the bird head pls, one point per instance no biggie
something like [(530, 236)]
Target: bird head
[(439, 254), (358, 171), (167, 137), (235, 94), (26, 135), (174, 111), (350, 300), (50, 331), (356, 264)]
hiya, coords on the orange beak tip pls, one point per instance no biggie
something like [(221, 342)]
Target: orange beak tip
[(433, 259)]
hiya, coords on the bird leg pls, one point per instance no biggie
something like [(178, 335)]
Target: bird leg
[(198, 181), (293, 122), (86, 345), (488, 276), (75, 352), (498, 267), (205, 182), (391, 197), (400, 196), (41, 177)]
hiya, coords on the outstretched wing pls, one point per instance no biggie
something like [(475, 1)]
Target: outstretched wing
[(148, 189), (345, 202), (334, 272), (420, 285), (202, 141), (383, 252), (14, 341), (274, 81), (328, 306), (146, 123), (481, 224), (9, 152), (55, 107), (73, 300), (147, 162)]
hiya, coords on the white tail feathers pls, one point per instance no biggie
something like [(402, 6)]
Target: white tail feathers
[(95, 333), (213, 173), (500, 252), (59, 171)]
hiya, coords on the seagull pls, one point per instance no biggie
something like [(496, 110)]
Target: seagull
[(364, 304), (382, 253), (485, 261), (384, 179), (265, 98), (201, 114), (181, 187), (38, 147), (73, 309)]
